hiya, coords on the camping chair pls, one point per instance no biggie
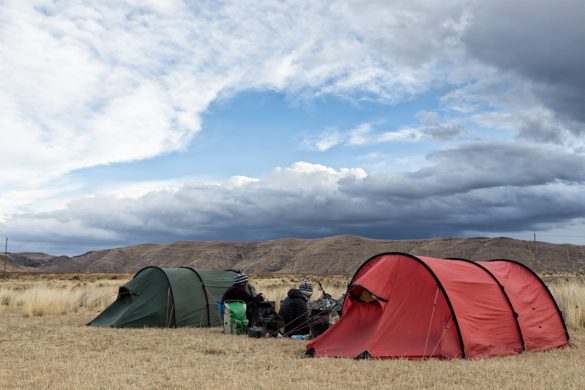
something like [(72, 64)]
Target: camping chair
[(219, 305)]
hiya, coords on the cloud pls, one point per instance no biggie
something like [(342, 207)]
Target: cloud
[(431, 125), (323, 141), (478, 166), (499, 103), (84, 82), (112, 73), (365, 134), (541, 41), (362, 135), (79, 90), (474, 187)]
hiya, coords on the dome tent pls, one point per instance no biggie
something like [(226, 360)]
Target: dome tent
[(168, 297), (399, 305)]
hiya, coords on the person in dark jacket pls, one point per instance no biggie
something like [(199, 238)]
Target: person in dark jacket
[(294, 310), (238, 291)]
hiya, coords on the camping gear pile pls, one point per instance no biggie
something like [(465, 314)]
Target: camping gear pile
[(323, 312), (265, 321)]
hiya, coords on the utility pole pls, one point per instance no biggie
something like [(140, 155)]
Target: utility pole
[(5, 254), (535, 257)]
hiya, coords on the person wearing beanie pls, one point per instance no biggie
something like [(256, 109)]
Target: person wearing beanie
[(294, 310), (306, 288), (240, 291)]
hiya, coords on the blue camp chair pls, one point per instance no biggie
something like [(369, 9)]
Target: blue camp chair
[(220, 309)]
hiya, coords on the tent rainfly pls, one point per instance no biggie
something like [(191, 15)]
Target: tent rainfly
[(399, 305), (168, 297)]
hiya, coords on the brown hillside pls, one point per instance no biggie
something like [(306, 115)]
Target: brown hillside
[(15, 263), (331, 255)]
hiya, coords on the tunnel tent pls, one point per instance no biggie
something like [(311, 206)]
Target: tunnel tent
[(168, 297), (399, 305)]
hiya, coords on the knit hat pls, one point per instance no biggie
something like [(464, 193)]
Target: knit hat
[(241, 279), (306, 287)]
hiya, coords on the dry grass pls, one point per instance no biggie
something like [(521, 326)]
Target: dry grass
[(570, 296), (59, 296), (57, 351), (42, 352)]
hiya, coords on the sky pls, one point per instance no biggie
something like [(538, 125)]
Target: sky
[(125, 122)]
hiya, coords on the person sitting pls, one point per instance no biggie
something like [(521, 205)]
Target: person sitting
[(294, 310), (239, 291)]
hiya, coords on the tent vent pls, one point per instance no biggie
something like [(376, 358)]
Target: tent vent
[(363, 355)]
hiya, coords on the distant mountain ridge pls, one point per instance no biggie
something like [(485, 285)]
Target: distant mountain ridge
[(337, 255)]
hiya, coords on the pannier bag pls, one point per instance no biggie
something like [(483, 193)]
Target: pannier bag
[(234, 317)]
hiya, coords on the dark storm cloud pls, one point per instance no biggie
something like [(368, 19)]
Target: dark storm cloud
[(536, 130), (475, 166), (476, 187), (445, 132), (541, 40), (433, 126)]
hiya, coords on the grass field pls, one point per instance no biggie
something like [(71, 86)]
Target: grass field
[(44, 344)]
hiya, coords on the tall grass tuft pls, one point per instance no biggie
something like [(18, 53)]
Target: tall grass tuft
[(46, 298), (45, 301)]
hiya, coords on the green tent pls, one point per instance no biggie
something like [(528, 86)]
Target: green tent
[(168, 297)]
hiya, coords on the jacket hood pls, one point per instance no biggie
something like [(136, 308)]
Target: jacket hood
[(296, 293)]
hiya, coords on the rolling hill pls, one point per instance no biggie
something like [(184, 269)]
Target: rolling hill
[(339, 255)]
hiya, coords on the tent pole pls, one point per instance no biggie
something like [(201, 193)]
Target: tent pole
[(168, 319)]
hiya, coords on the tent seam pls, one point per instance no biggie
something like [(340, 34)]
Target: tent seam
[(514, 314), (170, 287), (559, 312), (204, 292)]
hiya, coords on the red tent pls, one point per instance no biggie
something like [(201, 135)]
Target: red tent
[(399, 305)]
